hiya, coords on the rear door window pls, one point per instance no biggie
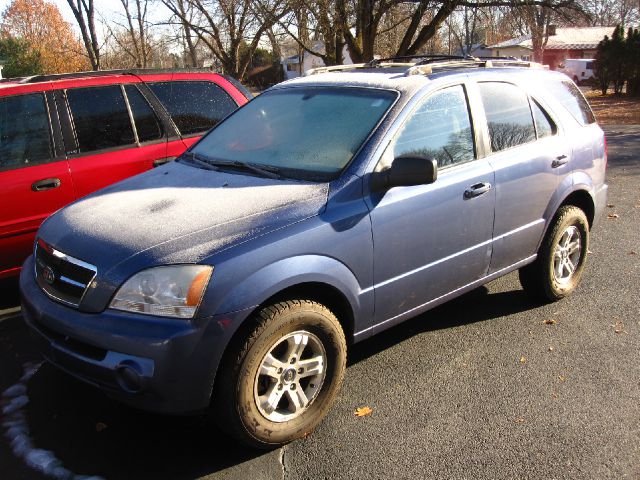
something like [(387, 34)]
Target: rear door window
[(508, 115), (25, 137), (194, 106), (148, 126), (100, 117)]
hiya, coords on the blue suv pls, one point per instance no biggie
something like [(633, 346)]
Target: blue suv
[(326, 210)]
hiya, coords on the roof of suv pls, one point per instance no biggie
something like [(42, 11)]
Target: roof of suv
[(101, 73), (93, 78), (409, 76)]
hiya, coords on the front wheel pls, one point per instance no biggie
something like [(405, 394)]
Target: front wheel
[(561, 259), (279, 380)]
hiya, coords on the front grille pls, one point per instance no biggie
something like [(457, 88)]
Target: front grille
[(60, 276)]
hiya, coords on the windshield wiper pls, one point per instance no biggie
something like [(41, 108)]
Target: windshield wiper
[(201, 160), (264, 170), (214, 164)]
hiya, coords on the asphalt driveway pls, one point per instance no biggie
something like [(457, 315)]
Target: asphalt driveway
[(490, 385)]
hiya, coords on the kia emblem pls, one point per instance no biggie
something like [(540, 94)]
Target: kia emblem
[(48, 275)]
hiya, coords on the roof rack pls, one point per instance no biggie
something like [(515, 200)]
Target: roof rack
[(425, 58), (355, 66), (430, 63), (472, 62), (102, 73)]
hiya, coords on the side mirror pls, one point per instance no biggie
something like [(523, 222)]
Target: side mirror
[(405, 171)]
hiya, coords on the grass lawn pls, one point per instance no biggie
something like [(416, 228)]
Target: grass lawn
[(614, 109)]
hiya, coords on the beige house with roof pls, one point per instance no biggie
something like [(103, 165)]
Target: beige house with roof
[(570, 42)]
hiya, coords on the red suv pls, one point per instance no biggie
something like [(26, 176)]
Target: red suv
[(64, 136)]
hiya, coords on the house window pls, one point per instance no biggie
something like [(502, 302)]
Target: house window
[(526, 58), (292, 67)]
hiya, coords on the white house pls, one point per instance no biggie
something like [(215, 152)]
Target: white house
[(566, 42), (292, 67)]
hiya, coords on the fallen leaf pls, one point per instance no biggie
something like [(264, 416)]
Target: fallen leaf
[(561, 378), (549, 321), (363, 411), (633, 252), (554, 395), (100, 427), (610, 205), (619, 327), (519, 420), (523, 360), (551, 349), (589, 252), (613, 215)]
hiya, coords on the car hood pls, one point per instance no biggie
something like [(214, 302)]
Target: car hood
[(177, 214)]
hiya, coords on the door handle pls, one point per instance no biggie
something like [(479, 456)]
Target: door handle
[(559, 161), (161, 161), (477, 190), (46, 184)]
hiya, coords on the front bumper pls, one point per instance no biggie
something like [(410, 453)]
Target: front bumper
[(156, 364)]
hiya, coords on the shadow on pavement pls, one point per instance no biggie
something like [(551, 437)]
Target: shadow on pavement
[(9, 294), (476, 306), (93, 435)]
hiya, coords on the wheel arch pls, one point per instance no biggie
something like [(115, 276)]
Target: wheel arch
[(583, 200), (332, 285)]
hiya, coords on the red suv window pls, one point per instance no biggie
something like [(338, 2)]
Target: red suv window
[(25, 138), (100, 117), (148, 126), (195, 106)]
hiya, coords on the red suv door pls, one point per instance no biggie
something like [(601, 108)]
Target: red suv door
[(34, 179), (109, 144)]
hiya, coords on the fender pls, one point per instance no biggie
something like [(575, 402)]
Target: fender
[(278, 276), (266, 282), (571, 183)]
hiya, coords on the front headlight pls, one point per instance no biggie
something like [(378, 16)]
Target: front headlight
[(169, 291)]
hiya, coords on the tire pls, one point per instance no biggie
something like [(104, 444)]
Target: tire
[(557, 270), (302, 337)]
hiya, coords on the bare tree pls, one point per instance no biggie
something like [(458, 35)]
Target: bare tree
[(361, 21), (231, 29), (188, 16), (313, 24), (464, 25), (137, 31), (608, 13), (84, 13)]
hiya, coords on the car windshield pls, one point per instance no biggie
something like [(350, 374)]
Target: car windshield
[(305, 133)]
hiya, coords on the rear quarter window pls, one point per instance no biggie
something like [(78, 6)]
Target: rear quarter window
[(194, 106), (570, 97)]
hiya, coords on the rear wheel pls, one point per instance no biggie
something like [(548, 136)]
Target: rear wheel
[(558, 269), (278, 382)]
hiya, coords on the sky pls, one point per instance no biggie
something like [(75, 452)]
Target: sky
[(109, 9)]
